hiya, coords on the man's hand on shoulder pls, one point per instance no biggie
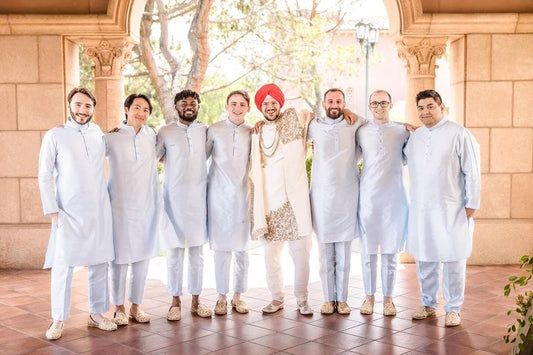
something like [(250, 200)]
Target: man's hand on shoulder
[(409, 127), (350, 117), (257, 126), (114, 130), (470, 212)]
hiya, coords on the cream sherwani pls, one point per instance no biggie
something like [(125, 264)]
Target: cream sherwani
[(72, 183), (228, 193), (280, 195), (139, 220), (334, 195), (184, 191), (383, 205), (444, 170)]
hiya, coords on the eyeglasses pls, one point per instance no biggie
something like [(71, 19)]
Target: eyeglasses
[(383, 104)]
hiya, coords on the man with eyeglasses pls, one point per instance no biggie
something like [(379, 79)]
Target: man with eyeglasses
[(182, 144), (444, 171), (383, 206)]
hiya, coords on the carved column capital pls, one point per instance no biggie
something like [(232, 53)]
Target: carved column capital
[(420, 54), (108, 55)]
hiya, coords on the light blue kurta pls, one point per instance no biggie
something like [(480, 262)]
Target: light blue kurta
[(72, 183), (185, 176), (444, 172), (383, 208), (334, 179), (139, 220), (228, 190)]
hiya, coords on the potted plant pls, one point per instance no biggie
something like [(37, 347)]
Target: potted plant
[(520, 333)]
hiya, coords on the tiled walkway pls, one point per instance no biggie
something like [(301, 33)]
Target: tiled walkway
[(25, 299)]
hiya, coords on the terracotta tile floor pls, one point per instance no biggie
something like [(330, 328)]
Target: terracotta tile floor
[(25, 298)]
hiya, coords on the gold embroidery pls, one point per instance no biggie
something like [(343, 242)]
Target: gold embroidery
[(282, 224), (290, 128)]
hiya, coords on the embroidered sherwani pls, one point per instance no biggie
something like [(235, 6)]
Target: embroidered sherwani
[(383, 205), (444, 171), (334, 194), (228, 209), (184, 194), (280, 199), (72, 184)]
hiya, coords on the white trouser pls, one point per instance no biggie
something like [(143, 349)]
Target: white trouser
[(299, 251), (335, 261), (240, 271), (175, 259), (61, 287), (118, 273), (453, 283), (389, 264)]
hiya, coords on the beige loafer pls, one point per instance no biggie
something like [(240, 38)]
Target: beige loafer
[(54, 331), (270, 308), (327, 308), (174, 313), (140, 317), (240, 307), (343, 308), (389, 309), (120, 318), (423, 312), (221, 308), (453, 319), (201, 311), (106, 324), (366, 308)]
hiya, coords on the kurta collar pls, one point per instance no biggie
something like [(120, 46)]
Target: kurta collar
[(233, 125), (130, 129), (75, 125), (390, 123), (440, 124), (184, 126), (332, 121)]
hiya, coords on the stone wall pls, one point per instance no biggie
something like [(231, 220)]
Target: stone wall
[(32, 93), (492, 84)]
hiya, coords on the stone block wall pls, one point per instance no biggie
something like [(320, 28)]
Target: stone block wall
[(493, 85), (33, 82)]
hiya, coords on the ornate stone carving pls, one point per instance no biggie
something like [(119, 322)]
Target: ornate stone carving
[(108, 55), (420, 53)]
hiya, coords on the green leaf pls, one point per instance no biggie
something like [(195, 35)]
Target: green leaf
[(512, 278)]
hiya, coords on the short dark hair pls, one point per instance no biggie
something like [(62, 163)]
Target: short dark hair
[(183, 94), (375, 92), (83, 91), (129, 100), (334, 90), (239, 92), (426, 94)]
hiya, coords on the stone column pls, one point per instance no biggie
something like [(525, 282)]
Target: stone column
[(108, 56), (420, 54)]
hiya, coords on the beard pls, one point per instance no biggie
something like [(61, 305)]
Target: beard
[(188, 118), (75, 118), (334, 116)]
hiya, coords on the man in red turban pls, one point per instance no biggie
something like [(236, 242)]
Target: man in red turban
[(271, 90)]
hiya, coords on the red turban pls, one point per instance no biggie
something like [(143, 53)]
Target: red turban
[(269, 89)]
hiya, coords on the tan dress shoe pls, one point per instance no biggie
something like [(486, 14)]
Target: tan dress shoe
[(105, 324), (140, 317), (240, 307), (327, 308), (453, 319), (366, 308), (343, 308), (120, 318), (201, 311), (423, 312), (54, 331), (174, 313), (389, 309), (270, 308), (221, 308)]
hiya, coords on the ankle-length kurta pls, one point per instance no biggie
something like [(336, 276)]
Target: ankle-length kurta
[(72, 183)]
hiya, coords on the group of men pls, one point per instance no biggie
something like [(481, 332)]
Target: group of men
[(254, 191)]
